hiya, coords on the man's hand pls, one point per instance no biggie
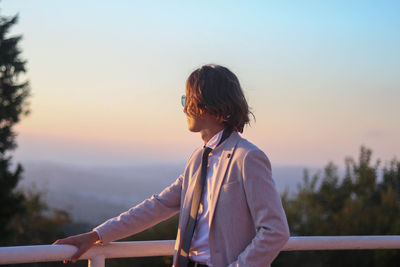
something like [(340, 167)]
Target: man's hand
[(83, 242)]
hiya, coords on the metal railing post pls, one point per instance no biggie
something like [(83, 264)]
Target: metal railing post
[(97, 261)]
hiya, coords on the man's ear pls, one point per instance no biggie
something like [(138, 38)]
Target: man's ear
[(220, 120)]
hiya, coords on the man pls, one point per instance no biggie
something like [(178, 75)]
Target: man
[(230, 211)]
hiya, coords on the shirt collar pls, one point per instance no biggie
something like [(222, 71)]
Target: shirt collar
[(213, 142)]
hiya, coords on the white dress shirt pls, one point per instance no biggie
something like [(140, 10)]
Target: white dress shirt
[(199, 249)]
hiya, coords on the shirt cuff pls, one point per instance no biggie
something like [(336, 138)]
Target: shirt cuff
[(100, 241)]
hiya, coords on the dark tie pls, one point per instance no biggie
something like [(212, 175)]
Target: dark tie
[(197, 194)]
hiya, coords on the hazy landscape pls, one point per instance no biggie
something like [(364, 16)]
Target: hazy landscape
[(93, 194)]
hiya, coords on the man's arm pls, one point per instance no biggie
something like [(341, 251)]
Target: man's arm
[(146, 214), (272, 231)]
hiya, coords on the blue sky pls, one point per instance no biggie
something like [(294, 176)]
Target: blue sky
[(322, 77)]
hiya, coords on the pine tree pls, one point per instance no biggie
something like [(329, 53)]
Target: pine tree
[(13, 105), (360, 203)]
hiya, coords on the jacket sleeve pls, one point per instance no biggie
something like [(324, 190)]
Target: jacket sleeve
[(146, 214), (272, 231)]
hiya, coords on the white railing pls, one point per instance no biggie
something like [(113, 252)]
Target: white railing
[(97, 254)]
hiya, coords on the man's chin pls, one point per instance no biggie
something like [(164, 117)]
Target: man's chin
[(193, 129)]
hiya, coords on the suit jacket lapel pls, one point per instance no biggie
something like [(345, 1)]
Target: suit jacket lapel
[(226, 157)]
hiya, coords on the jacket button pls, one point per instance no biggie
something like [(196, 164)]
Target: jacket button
[(229, 155)]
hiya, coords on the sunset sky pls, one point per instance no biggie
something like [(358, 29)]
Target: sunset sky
[(322, 77)]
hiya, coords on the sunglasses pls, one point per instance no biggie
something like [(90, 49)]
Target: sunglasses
[(183, 100)]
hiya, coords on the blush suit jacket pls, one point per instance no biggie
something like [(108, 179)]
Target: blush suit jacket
[(248, 226)]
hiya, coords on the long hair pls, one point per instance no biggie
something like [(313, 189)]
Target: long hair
[(216, 90)]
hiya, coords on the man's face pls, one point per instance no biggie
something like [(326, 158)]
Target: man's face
[(201, 121), (196, 124)]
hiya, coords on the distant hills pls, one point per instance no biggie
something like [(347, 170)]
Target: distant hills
[(94, 194)]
